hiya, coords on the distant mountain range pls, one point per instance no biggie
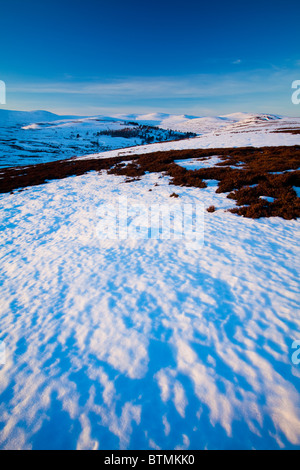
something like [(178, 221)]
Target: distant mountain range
[(179, 122), (28, 117)]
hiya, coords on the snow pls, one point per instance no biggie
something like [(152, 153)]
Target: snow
[(208, 124), (267, 198), (166, 121), (197, 164), (39, 136), (297, 189), (211, 140), (38, 142), (239, 130), (144, 344), (21, 117)]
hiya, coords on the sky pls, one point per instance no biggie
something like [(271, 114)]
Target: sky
[(184, 57)]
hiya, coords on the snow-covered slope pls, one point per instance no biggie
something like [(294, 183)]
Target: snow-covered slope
[(22, 117), (33, 137), (238, 134), (37, 137), (145, 344)]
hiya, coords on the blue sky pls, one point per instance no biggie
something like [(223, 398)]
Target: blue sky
[(192, 57)]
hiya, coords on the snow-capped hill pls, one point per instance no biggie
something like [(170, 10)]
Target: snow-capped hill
[(99, 331), (243, 116), (252, 118), (156, 119), (199, 125), (35, 137), (204, 125), (175, 122)]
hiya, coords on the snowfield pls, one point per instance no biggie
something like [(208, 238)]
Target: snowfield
[(146, 344)]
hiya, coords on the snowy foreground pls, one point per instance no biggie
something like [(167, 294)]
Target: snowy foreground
[(144, 343)]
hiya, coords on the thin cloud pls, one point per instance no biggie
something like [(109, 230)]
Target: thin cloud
[(197, 86)]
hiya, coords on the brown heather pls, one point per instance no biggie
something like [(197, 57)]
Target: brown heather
[(248, 174)]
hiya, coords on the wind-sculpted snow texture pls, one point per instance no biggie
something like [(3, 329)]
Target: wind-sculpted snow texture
[(145, 344)]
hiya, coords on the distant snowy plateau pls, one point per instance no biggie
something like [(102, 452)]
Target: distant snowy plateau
[(144, 344)]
